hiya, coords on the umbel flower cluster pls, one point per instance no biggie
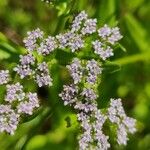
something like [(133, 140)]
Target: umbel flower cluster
[(81, 93)]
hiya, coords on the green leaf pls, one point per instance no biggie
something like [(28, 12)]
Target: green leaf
[(138, 33), (106, 11)]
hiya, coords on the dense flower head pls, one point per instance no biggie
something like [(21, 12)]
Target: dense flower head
[(63, 39), (25, 102), (43, 77), (102, 50), (47, 46), (104, 31), (8, 119), (70, 40), (23, 70), (68, 94), (116, 111), (122, 135), (43, 67), (89, 94), (4, 76), (43, 80), (31, 40), (130, 124), (76, 70), (28, 105), (76, 42), (77, 22), (116, 114), (94, 69), (14, 92), (92, 136), (92, 119), (111, 35), (89, 26), (27, 59)]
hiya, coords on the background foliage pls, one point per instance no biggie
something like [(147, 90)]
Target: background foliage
[(54, 126)]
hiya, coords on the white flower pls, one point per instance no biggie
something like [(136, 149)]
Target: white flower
[(27, 59), (76, 43), (105, 31), (68, 95), (47, 46), (14, 92), (115, 36), (78, 21), (43, 80), (8, 119), (42, 76), (130, 124), (31, 39), (89, 26), (29, 104), (23, 70), (76, 70), (122, 135), (89, 94), (111, 35), (4, 76), (102, 50)]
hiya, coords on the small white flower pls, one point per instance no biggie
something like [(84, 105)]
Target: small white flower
[(14, 92), (130, 124), (8, 119), (23, 70), (27, 59), (47, 46), (76, 70), (28, 105), (111, 35), (42, 76), (89, 94), (105, 31), (4, 76), (31, 39), (76, 26), (89, 26), (68, 95), (122, 135), (115, 36)]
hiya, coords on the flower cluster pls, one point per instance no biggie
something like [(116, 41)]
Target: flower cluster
[(116, 114), (47, 46), (4, 76), (31, 40), (8, 119), (84, 101), (81, 94), (107, 35), (25, 67), (28, 105), (42, 76), (14, 92), (73, 40), (17, 103), (92, 69)]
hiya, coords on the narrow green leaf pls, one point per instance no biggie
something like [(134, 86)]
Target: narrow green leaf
[(138, 33)]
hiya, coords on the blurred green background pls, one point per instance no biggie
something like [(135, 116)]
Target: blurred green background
[(54, 126)]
